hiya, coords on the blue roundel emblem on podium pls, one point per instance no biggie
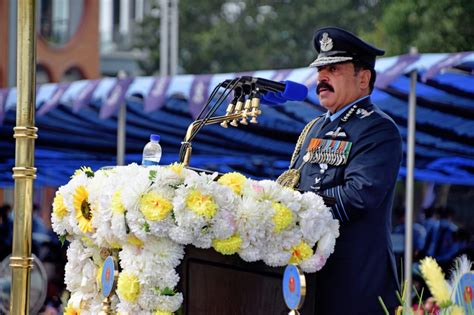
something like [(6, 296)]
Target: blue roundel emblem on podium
[(465, 291), (108, 276), (294, 287)]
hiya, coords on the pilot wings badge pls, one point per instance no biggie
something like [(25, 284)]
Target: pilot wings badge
[(326, 42)]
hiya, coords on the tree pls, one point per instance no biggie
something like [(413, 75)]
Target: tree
[(232, 36), (429, 25)]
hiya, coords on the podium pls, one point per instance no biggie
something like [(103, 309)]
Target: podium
[(212, 283)]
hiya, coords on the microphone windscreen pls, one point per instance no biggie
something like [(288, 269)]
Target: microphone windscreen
[(265, 100), (274, 98), (294, 91)]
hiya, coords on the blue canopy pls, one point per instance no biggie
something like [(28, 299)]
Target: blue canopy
[(78, 126)]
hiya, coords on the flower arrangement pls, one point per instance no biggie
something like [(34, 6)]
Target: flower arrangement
[(448, 296), (146, 215), (446, 293)]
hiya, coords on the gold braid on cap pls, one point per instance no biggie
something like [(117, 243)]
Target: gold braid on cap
[(291, 177)]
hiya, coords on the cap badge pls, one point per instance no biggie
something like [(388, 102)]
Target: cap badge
[(326, 42)]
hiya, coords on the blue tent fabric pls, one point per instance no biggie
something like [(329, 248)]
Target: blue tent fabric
[(71, 136)]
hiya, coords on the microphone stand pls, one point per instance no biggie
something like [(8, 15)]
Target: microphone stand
[(251, 109)]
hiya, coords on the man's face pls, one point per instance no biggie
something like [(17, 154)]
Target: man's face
[(339, 85)]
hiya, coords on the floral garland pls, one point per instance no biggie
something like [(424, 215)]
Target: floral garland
[(145, 215)]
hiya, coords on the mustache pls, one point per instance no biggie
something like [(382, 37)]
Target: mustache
[(324, 85)]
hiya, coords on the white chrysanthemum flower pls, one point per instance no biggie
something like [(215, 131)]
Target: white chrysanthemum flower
[(254, 221), (313, 263), (277, 258), (181, 236), (326, 244), (167, 177), (153, 301), (80, 270), (118, 227), (224, 224), (313, 201), (135, 183), (250, 253), (93, 306), (130, 258), (124, 307), (203, 241), (100, 196), (166, 278), (164, 252), (137, 224)]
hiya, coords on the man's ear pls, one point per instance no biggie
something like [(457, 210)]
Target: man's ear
[(365, 75)]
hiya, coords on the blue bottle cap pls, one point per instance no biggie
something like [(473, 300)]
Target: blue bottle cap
[(154, 137)]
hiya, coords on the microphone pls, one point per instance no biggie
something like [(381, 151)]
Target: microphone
[(280, 91)]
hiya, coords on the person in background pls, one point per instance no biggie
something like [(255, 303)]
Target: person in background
[(431, 223), (447, 231), (6, 231), (351, 155), (419, 232)]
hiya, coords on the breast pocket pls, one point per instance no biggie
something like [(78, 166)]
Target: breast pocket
[(327, 177)]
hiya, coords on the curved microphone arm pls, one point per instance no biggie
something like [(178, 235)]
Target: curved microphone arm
[(233, 114)]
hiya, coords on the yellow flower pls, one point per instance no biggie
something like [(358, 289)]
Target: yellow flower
[(115, 245), (70, 310), (176, 167), (117, 204), (282, 218), (300, 252), (83, 209), (233, 180), (128, 286), (158, 312), (457, 310), (87, 241), (434, 278), (132, 239), (229, 246), (201, 204), (154, 207), (59, 208)]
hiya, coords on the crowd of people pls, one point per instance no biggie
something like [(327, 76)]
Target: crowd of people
[(436, 234), (47, 250)]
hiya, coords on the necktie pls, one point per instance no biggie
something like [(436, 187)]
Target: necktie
[(326, 121)]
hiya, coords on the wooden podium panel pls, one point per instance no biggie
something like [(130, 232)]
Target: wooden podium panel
[(216, 284)]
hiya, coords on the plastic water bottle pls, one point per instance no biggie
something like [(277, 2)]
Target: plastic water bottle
[(152, 151)]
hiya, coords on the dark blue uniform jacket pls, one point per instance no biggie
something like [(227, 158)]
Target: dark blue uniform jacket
[(362, 266)]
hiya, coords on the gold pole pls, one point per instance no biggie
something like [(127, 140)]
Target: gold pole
[(24, 173)]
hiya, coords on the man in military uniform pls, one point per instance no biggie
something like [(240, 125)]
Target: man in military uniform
[(351, 155)]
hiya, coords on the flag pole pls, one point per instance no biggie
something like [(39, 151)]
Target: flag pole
[(410, 186), (24, 171)]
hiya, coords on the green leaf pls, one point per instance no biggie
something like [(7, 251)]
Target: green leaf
[(62, 239), (152, 175), (146, 227), (168, 292), (383, 306), (88, 171)]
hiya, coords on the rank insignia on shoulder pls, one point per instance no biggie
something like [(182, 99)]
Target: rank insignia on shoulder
[(328, 151), (362, 113)]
